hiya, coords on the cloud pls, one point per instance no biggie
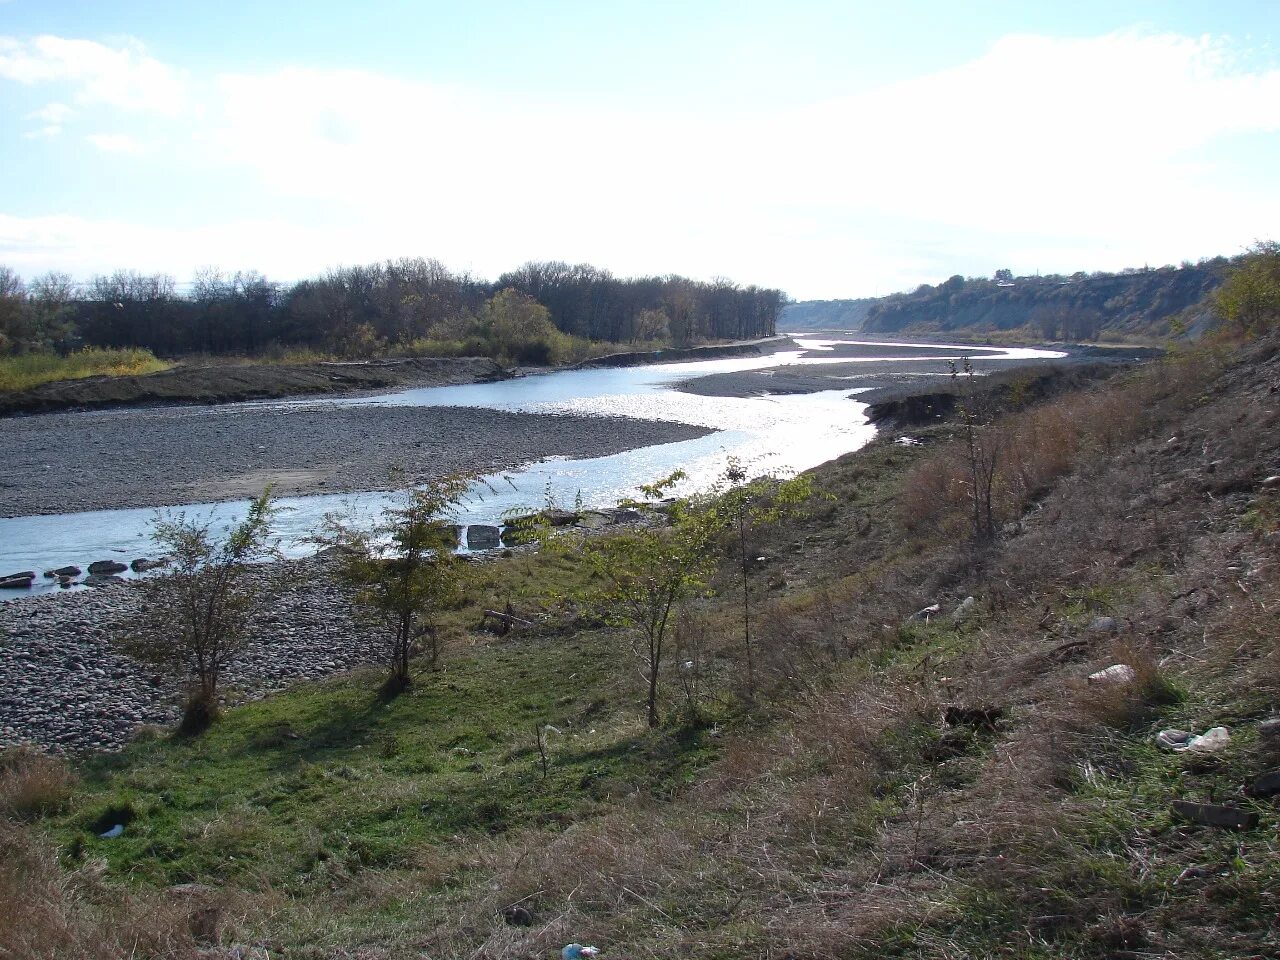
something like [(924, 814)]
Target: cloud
[(116, 143), (120, 76), (52, 118), (1044, 153)]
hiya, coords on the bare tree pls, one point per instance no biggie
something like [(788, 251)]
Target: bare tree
[(196, 619)]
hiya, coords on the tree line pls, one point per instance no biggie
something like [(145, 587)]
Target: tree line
[(361, 310)]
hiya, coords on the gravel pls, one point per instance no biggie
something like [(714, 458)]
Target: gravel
[(166, 456), (66, 686)]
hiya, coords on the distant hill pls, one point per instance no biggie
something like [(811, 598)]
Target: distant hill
[(824, 315), (1137, 304)]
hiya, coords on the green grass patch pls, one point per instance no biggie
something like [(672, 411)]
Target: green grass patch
[(32, 369), (309, 787)]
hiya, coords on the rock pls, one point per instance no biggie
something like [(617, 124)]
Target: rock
[(517, 916), (107, 566), (142, 564), (1103, 625), (594, 520), (102, 579), (968, 606), (627, 515), (1270, 483), (1266, 785), (1216, 815), (1269, 729), (68, 571), (483, 537), (65, 583), (18, 581), (1117, 673)]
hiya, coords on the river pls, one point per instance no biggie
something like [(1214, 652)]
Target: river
[(769, 433)]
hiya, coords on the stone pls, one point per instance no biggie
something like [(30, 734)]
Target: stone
[(1267, 785), (1117, 673), (142, 564), (627, 515), (483, 537), (102, 579), (968, 606), (1269, 729), (1270, 483), (107, 566), (1103, 625), (18, 581), (1216, 815), (517, 916), (594, 520)]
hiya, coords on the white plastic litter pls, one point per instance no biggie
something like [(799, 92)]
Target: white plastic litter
[(1117, 673), (113, 832), (575, 950), (1179, 741)]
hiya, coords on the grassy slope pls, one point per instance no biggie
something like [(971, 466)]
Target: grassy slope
[(841, 817), (32, 369)]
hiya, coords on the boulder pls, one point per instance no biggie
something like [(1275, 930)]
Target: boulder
[(107, 566), (626, 515), (1270, 483), (18, 581), (142, 564), (594, 520), (968, 606), (68, 571), (1270, 729), (483, 537), (1103, 625)]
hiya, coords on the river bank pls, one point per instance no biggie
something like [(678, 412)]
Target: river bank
[(236, 382)]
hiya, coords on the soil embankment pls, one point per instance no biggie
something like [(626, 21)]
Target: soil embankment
[(750, 348), (232, 383)]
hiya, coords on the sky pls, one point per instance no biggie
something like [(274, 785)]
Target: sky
[(831, 149)]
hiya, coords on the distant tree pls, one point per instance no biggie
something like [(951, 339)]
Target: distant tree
[(1250, 296), (1004, 276), (15, 330), (196, 618), (405, 571), (50, 300), (650, 325)]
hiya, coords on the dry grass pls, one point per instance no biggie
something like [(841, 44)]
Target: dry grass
[(29, 370), (33, 784), (47, 912)]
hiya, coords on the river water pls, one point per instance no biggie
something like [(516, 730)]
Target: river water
[(776, 434)]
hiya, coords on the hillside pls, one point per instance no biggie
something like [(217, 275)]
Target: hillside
[(1139, 305), (912, 774), (824, 315)]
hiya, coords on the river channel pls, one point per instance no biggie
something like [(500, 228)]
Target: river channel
[(774, 433)]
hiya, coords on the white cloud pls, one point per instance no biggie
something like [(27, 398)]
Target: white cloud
[(116, 143), (51, 117), (120, 76)]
